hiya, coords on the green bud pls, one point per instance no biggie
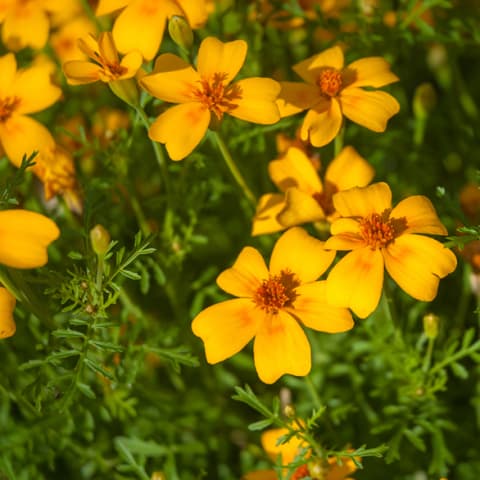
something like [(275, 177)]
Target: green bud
[(158, 476), (424, 100), (100, 239), (430, 325), (180, 32), (125, 90), (289, 411)]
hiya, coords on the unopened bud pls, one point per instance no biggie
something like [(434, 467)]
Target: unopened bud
[(424, 99), (125, 90), (100, 239), (430, 325), (180, 32), (318, 469), (158, 476), (289, 411)]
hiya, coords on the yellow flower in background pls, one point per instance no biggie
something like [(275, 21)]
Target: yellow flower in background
[(24, 238), (7, 305), (272, 306), (205, 92), (141, 24), (23, 92), (384, 237), (332, 91), (306, 198)]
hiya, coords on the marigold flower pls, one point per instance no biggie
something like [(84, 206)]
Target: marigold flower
[(23, 92), (306, 198), (7, 305), (205, 92), (24, 238), (332, 91), (381, 236), (273, 303)]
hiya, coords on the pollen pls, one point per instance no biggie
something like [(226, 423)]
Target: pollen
[(379, 230), (330, 82), (217, 96), (277, 292), (7, 106)]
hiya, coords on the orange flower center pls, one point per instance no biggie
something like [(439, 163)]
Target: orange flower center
[(7, 106), (330, 82), (325, 198), (277, 292), (378, 230), (217, 96), (116, 70), (300, 472)]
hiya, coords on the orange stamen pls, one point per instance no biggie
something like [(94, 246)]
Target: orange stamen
[(7, 106), (330, 82), (277, 292), (378, 230)]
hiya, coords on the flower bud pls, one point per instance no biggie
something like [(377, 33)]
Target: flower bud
[(424, 99), (289, 411), (430, 325), (180, 32), (158, 476), (125, 90), (100, 239)]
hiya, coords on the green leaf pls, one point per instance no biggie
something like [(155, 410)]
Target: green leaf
[(86, 390), (415, 440), (459, 370), (95, 367), (260, 425)]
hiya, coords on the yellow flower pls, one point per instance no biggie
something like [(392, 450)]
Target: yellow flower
[(305, 197), (7, 305), (384, 237), (273, 303), (24, 238), (332, 91), (205, 92), (142, 22), (23, 92)]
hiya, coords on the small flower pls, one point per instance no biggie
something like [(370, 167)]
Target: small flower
[(206, 92), (332, 91), (273, 303), (7, 305), (305, 197), (384, 237)]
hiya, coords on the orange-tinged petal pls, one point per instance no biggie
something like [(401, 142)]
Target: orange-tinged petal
[(281, 347), (322, 126), (245, 275), (81, 72), (301, 254), (309, 69), (28, 26), (369, 109), (356, 281), (215, 56), (24, 238), (300, 207), (288, 450), (109, 6), (340, 472), (265, 219), (417, 263), (174, 80), (345, 225), (7, 305), (227, 327), (370, 72), (257, 104), (196, 12), (21, 135), (132, 61), (420, 214), (363, 201), (348, 169), (8, 67), (344, 241), (261, 475), (181, 128), (312, 309), (295, 97), (107, 48)]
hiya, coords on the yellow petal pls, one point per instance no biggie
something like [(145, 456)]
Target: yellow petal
[(420, 214), (174, 80), (300, 253), (245, 275), (312, 309), (281, 347), (356, 281), (80, 72), (109, 6), (215, 56), (369, 109), (417, 263), (27, 27), (300, 207), (363, 201), (322, 126), (24, 238), (309, 69), (257, 104), (348, 169), (261, 475), (295, 97), (340, 472), (370, 72), (107, 48), (8, 67), (227, 327), (7, 305), (132, 61), (288, 450), (181, 128), (265, 219), (196, 12)]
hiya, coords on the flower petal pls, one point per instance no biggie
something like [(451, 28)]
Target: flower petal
[(309, 69), (215, 56), (345, 235), (265, 219), (300, 253), (300, 207), (322, 126), (109, 6), (420, 214), (24, 238), (260, 475), (288, 450), (417, 263), (356, 281), (257, 104), (295, 97), (195, 11), (81, 72), (369, 109), (227, 327), (8, 67), (107, 49), (370, 72), (245, 275), (132, 61), (7, 305), (27, 27), (312, 309), (181, 128), (281, 347)]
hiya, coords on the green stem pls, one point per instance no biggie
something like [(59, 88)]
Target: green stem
[(339, 139), (457, 356), (313, 392), (142, 221), (428, 355), (233, 168)]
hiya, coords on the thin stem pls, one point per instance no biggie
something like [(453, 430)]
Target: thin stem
[(313, 392), (99, 276), (338, 142), (428, 355), (233, 168)]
